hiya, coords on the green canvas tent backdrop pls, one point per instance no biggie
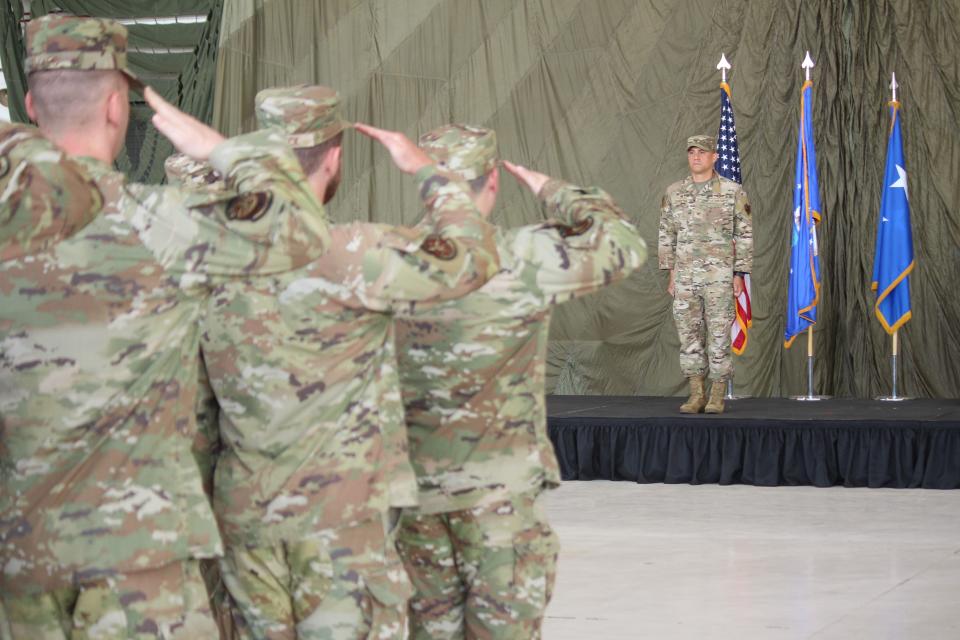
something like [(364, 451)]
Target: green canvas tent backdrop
[(605, 92)]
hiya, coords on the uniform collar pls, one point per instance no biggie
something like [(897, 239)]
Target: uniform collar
[(714, 183)]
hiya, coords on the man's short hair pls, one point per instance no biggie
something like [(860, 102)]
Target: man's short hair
[(68, 98), (311, 157)]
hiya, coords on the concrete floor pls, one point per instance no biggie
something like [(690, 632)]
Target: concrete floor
[(679, 561)]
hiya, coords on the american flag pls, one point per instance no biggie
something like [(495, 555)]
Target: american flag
[(728, 150), (728, 166)]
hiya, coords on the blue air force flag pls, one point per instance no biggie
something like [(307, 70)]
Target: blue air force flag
[(893, 260), (803, 288)]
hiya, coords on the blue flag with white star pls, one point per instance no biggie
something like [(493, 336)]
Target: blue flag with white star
[(893, 260), (803, 288)]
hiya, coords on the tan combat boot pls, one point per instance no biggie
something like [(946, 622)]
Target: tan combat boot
[(715, 404), (696, 401)]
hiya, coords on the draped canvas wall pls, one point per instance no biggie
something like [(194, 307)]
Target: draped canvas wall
[(605, 92)]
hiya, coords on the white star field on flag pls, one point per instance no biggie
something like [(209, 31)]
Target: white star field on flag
[(728, 164)]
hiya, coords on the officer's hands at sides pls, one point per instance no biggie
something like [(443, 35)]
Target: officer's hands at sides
[(408, 157), (188, 135), (527, 177), (737, 286)]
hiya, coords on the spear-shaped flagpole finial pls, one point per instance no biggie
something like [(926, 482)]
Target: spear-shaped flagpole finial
[(724, 66), (894, 85), (807, 64)]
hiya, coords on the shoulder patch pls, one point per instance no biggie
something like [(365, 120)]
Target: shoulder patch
[(746, 208), (440, 247), (577, 229), (249, 206)]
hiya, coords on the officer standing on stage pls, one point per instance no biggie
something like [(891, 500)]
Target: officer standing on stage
[(705, 241)]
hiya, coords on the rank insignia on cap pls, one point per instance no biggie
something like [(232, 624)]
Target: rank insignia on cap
[(440, 247), (248, 206), (575, 229)]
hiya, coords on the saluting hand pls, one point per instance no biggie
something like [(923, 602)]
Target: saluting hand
[(531, 179), (187, 134), (737, 286), (408, 157)]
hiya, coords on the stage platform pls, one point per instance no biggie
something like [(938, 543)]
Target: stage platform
[(759, 441)]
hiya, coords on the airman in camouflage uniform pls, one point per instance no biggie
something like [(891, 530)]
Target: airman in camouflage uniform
[(187, 173), (706, 239), (479, 550), (102, 514), (304, 368)]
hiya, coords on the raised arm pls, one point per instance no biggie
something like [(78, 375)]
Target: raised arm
[(269, 223), (451, 252), (266, 221), (588, 243)]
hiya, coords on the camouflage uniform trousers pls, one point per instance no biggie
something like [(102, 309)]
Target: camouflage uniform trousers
[(342, 584), (170, 602), (220, 603), (703, 310), (5, 633), (486, 572)]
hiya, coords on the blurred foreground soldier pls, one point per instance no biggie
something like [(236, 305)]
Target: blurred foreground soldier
[(182, 170), (706, 239), (479, 551), (102, 514), (304, 367)]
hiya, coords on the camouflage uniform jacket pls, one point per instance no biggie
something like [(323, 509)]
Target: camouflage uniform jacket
[(706, 229), (473, 370), (99, 339), (304, 367)]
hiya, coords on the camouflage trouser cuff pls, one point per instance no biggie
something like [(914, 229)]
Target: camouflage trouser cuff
[(348, 583), (487, 571), (173, 597)]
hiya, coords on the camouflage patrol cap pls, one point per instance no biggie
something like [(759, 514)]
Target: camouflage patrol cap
[(56, 42), (310, 114), (469, 151), (707, 143)]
